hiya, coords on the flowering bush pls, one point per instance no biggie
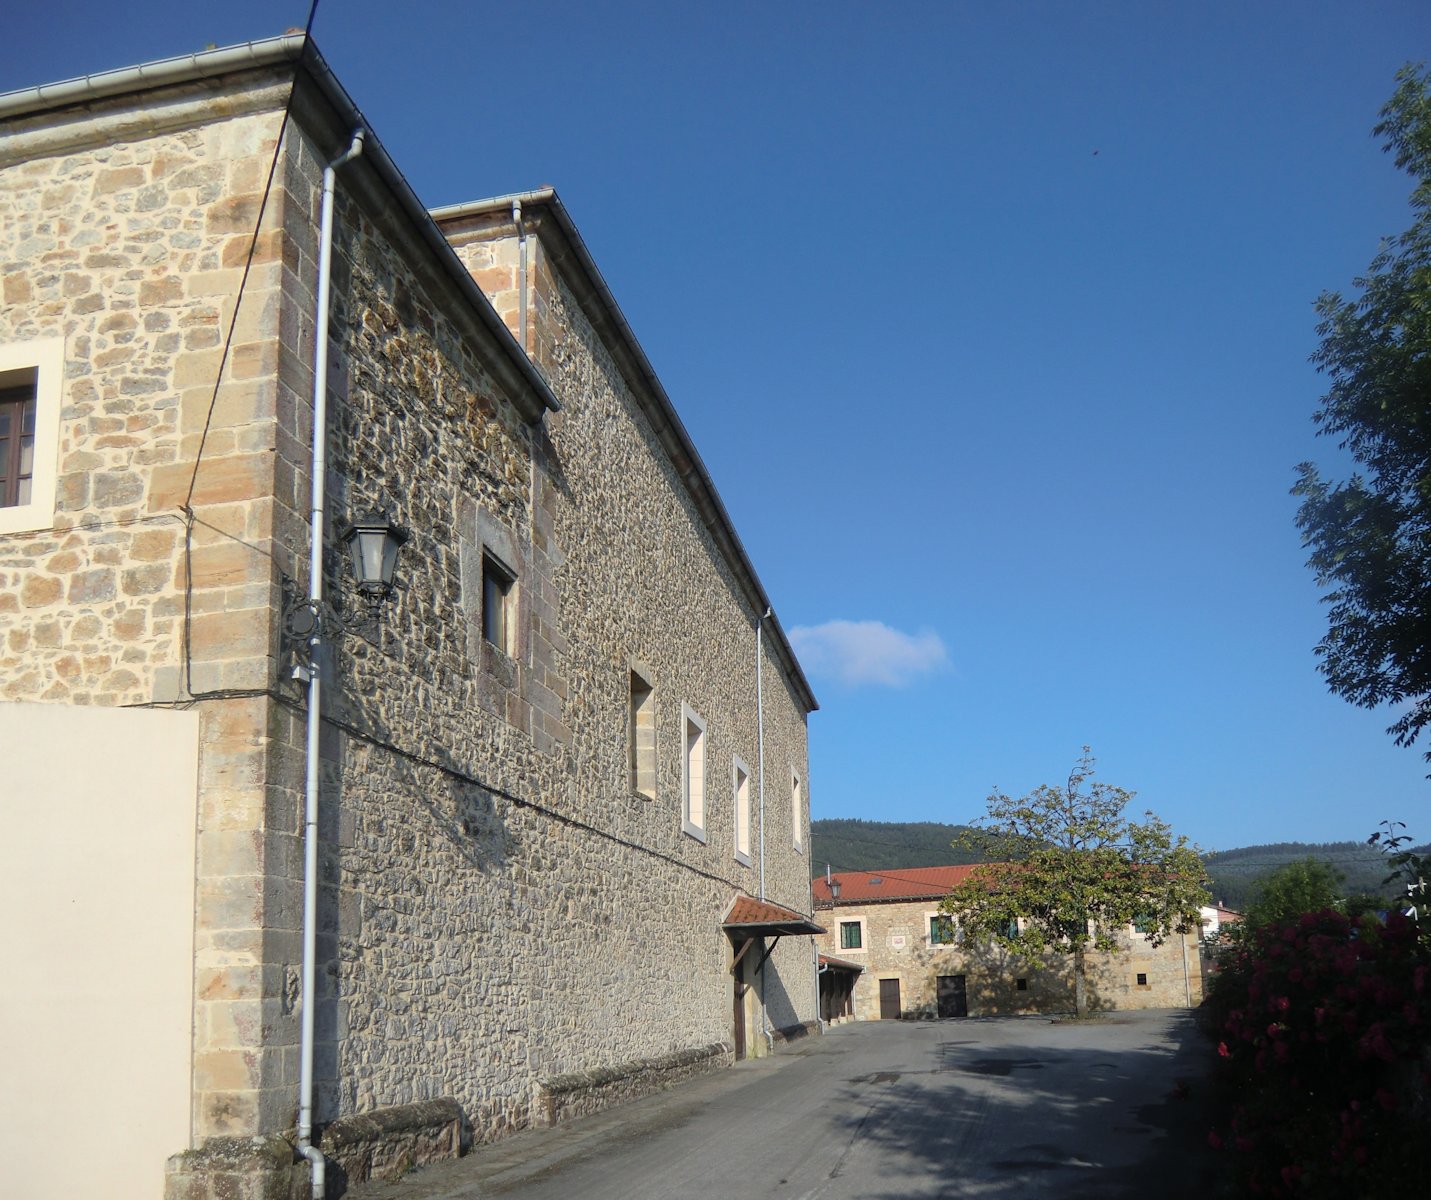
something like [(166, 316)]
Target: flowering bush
[(1322, 1031)]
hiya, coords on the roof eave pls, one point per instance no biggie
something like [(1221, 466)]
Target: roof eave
[(303, 52), (666, 420)]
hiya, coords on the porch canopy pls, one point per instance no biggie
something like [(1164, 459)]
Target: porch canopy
[(749, 920), (748, 917)]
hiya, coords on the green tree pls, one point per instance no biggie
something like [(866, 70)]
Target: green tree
[(1293, 889), (1067, 872), (1370, 534)]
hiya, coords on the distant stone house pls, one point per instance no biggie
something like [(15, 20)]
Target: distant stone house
[(917, 962), (562, 776)]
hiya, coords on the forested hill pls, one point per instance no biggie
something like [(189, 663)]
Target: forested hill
[(854, 845), (1235, 873), (849, 844)]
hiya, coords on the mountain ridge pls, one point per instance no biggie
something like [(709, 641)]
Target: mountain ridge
[(855, 844)]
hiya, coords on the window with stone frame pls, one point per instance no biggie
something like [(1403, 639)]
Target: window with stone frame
[(740, 787), (641, 735), (31, 379), (852, 935), (693, 773), (499, 604), (942, 930), (797, 812)]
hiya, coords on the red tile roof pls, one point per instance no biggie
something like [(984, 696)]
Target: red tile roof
[(902, 883), (748, 911)]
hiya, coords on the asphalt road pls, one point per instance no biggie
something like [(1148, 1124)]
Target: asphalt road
[(997, 1108)]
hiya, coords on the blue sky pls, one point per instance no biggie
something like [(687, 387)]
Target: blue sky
[(991, 322)]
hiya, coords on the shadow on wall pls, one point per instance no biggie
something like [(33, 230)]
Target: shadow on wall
[(395, 832), (779, 1007), (1010, 1125)]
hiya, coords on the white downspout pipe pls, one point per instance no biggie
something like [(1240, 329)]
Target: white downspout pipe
[(760, 734), (760, 761), (315, 673)]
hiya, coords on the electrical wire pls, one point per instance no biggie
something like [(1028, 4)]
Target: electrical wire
[(187, 507)]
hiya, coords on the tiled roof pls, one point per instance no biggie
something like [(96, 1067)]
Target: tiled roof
[(902, 883), (747, 911)]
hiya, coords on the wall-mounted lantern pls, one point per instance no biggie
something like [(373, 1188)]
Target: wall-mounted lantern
[(373, 543), (834, 889)]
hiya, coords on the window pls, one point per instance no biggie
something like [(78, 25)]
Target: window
[(30, 390), (499, 594), (1010, 928), (17, 444), (1144, 923), (1142, 979), (1021, 985), (693, 774), (740, 782), (941, 930), (797, 813), (852, 935), (641, 737)]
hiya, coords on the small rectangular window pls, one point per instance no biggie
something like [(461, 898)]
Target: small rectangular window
[(1010, 928), (740, 780), (499, 589), (797, 813), (852, 935), (693, 774), (31, 389), (941, 931), (1144, 923), (1021, 985), (641, 737), (17, 444), (1142, 979)]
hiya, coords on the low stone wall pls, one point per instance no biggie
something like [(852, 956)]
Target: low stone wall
[(793, 1033), (234, 1168), (581, 1092), (389, 1142)]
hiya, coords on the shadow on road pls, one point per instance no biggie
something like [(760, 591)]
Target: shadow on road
[(1077, 1117)]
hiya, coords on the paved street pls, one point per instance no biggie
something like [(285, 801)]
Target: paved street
[(994, 1108)]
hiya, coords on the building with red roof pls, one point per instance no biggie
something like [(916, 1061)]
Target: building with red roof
[(902, 957)]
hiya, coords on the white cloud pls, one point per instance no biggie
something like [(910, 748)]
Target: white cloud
[(862, 653)]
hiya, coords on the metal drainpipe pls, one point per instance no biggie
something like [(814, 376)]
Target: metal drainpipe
[(760, 738), (315, 672)]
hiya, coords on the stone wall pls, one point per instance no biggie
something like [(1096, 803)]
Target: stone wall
[(999, 981), (124, 232), (498, 906), (508, 908)]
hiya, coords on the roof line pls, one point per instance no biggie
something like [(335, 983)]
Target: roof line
[(697, 478), (179, 69), (303, 52)]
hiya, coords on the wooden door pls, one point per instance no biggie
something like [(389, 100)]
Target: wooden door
[(889, 1000), (953, 996)]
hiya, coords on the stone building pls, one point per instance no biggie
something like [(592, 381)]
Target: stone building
[(562, 773), (918, 964)]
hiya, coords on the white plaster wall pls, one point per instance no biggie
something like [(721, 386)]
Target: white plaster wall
[(96, 888)]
